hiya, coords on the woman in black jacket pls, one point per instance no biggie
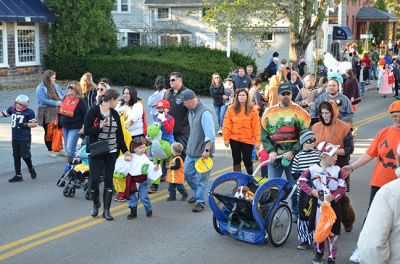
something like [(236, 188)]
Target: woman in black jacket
[(88, 89), (102, 123), (217, 93)]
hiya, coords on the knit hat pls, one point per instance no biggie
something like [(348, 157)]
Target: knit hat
[(305, 135)]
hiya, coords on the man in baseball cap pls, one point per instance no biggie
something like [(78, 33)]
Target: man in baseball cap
[(186, 95)]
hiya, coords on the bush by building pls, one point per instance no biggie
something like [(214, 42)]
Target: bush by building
[(140, 65)]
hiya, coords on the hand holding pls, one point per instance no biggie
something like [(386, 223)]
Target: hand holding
[(272, 156), (226, 143), (314, 193), (161, 117), (346, 171), (127, 156), (329, 198)]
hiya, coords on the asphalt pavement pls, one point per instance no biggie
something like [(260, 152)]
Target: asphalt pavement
[(39, 225)]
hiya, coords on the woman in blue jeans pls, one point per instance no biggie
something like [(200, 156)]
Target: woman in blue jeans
[(217, 93), (72, 112)]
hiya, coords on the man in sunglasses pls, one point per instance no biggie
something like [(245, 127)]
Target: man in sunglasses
[(178, 111), (281, 126)]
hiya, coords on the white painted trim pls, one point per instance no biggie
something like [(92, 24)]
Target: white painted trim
[(3, 27), (124, 43), (119, 8), (37, 45), (175, 35), (163, 19), (269, 41)]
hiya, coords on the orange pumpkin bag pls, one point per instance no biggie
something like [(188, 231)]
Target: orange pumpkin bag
[(51, 127), (325, 223), (57, 140)]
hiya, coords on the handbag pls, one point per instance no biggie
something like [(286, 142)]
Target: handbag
[(391, 79), (100, 147), (57, 140), (51, 127), (68, 106)]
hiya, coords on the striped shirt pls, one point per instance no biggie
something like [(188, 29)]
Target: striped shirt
[(112, 140), (303, 160)]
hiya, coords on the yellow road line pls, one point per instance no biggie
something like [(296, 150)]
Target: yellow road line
[(370, 120), (371, 117), (82, 220)]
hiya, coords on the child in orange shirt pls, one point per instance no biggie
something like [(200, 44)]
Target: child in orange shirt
[(175, 176)]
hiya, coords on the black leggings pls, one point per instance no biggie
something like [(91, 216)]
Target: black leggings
[(372, 194), (48, 143), (242, 151), (102, 165)]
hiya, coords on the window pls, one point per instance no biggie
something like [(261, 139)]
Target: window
[(27, 44), (175, 40), (3, 45), (133, 38), (203, 12), (122, 6), (267, 37), (163, 13)]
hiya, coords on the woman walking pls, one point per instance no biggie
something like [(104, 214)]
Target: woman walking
[(217, 93), (159, 85), (385, 87), (73, 111), (351, 89), (50, 96), (242, 130), (105, 140), (88, 89)]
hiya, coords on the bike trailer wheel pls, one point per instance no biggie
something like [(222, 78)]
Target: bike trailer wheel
[(280, 225), (216, 225)]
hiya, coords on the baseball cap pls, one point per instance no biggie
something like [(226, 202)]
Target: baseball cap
[(185, 95), (394, 107), (327, 148), (163, 104), (284, 87)]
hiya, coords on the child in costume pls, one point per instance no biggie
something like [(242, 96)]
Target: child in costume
[(167, 128), (307, 157), (325, 182), (136, 180), (22, 120), (175, 176)]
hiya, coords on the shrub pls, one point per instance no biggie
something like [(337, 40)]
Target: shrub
[(140, 65)]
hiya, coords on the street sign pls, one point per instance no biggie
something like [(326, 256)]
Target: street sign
[(366, 36)]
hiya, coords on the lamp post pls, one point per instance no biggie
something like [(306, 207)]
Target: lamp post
[(228, 41)]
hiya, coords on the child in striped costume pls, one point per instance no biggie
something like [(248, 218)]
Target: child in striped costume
[(175, 176), (307, 157)]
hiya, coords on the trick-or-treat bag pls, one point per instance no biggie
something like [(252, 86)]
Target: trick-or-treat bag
[(325, 223)]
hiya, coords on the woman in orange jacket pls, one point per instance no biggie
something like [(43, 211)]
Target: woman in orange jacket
[(242, 130)]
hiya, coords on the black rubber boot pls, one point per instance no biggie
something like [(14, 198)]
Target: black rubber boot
[(133, 213), (96, 202), (107, 197), (249, 170)]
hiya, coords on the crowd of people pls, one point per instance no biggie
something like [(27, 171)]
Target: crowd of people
[(303, 129)]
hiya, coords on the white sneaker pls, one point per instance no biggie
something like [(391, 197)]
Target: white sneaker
[(220, 132), (52, 154), (62, 153), (355, 257)]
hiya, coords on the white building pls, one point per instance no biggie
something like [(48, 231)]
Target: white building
[(166, 22)]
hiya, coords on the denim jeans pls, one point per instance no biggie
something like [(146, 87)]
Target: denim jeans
[(361, 87), (172, 189), (275, 170), (198, 182), (71, 137), (142, 195), (224, 108), (374, 71), (220, 118)]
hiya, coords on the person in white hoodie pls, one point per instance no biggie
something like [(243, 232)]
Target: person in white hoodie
[(380, 236), (131, 107)]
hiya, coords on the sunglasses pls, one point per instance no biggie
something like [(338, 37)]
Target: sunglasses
[(395, 116), (286, 93), (310, 141), (100, 89), (71, 88), (172, 80)]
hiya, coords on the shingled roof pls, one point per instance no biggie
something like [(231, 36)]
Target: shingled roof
[(372, 13)]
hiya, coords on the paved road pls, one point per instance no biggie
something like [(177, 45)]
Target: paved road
[(39, 225)]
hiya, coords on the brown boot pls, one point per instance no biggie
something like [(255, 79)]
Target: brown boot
[(237, 167)]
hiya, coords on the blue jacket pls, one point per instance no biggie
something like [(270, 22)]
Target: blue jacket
[(43, 98)]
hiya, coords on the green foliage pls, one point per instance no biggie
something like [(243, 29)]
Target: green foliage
[(140, 65), (83, 27), (378, 29)]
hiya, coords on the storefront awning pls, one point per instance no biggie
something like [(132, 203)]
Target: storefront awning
[(25, 11), (341, 33)]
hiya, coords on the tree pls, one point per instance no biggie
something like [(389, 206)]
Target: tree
[(83, 27), (304, 17)]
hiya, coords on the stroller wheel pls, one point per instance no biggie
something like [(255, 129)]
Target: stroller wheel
[(280, 225), (71, 192), (65, 191), (88, 196), (216, 225)]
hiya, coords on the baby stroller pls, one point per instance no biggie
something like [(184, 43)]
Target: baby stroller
[(76, 176), (257, 219)]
